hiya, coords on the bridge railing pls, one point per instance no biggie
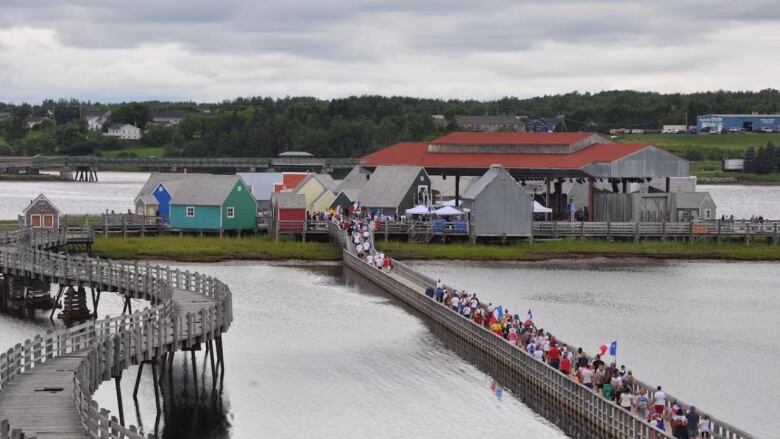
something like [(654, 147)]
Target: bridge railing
[(113, 343), (655, 229), (720, 428)]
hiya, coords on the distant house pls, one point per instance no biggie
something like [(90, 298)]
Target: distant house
[(168, 118), (40, 214), (498, 205), (393, 189), (124, 131), (313, 186), (491, 123), (543, 125), (289, 211), (96, 119), (693, 206), (296, 154), (34, 121), (212, 203)]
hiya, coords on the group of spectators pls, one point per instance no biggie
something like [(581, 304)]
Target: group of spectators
[(614, 384), (360, 235)]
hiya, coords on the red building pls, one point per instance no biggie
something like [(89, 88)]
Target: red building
[(289, 212)]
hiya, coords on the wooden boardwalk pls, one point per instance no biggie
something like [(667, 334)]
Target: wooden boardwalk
[(46, 383)]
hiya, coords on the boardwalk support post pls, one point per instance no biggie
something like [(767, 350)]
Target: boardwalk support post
[(138, 379), (118, 381), (56, 302)]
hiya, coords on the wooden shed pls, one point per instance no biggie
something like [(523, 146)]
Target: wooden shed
[(289, 211), (41, 213), (498, 206), (212, 203), (692, 206)]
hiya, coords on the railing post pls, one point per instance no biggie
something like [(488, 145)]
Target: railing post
[(555, 229), (663, 230), (609, 231), (774, 240), (636, 231), (719, 227)]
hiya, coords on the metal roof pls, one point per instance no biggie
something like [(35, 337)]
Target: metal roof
[(526, 138), (204, 189), (388, 185), (478, 186), (155, 179), (296, 154), (261, 183)]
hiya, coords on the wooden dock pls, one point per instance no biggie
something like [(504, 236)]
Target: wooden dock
[(577, 410), (54, 375)]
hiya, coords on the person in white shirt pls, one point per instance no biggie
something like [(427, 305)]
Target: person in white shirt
[(370, 259), (366, 246), (659, 401), (455, 302), (539, 354), (439, 284)]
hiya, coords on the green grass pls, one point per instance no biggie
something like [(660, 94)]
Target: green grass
[(579, 249), (210, 249), (734, 142), (8, 222), (140, 152)]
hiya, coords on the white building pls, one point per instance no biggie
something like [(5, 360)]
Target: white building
[(124, 131), (96, 119)]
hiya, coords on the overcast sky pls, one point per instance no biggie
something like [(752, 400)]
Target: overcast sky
[(209, 50)]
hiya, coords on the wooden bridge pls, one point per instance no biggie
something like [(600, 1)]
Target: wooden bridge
[(46, 383), (577, 410)]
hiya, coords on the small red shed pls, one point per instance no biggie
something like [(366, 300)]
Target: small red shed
[(40, 214), (289, 211)]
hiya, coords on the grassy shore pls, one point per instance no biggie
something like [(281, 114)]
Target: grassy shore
[(568, 249), (212, 249)]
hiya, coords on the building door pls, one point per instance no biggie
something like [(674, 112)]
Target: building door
[(35, 220), (48, 221)]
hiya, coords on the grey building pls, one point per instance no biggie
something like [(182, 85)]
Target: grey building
[(498, 206), (691, 206), (393, 189), (491, 123), (40, 214)]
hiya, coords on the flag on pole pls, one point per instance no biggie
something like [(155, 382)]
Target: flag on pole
[(613, 349), (499, 312), (529, 316)]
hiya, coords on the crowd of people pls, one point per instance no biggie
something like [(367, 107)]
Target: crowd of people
[(614, 383)]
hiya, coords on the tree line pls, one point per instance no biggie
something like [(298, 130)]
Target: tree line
[(346, 127), (764, 160)]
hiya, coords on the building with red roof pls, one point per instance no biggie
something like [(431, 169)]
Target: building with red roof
[(552, 157)]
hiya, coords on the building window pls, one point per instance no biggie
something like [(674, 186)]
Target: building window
[(239, 188), (190, 211), (707, 214), (231, 212)]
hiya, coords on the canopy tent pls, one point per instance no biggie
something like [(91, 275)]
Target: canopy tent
[(418, 210), (538, 208), (447, 211)]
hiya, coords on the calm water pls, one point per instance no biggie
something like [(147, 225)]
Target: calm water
[(115, 191), (709, 332), (309, 356), (745, 201)]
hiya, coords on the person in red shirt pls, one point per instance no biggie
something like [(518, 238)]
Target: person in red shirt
[(554, 355), (565, 365)]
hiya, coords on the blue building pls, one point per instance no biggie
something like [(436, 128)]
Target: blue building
[(734, 123)]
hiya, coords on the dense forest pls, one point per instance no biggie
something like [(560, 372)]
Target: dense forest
[(347, 127)]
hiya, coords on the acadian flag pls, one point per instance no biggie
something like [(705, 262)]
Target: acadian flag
[(613, 349)]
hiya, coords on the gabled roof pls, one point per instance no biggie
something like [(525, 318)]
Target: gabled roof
[(351, 194), (204, 189), (296, 154), (325, 180), (513, 138), (288, 200), (388, 185), (478, 186), (691, 200), (117, 126), (40, 197), (155, 179), (356, 179)]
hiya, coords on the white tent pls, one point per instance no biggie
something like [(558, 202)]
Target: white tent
[(538, 208), (447, 211), (418, 210)]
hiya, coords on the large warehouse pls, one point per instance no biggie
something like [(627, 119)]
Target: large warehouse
[(717, 123)]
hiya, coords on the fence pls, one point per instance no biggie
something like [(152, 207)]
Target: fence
[(113, 343), (698, 229)]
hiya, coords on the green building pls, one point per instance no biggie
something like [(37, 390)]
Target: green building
[(212, 203)]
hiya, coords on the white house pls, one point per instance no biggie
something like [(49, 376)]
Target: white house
[(124, 131), (169, 118), (96, 119)]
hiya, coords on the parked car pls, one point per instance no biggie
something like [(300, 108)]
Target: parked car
[(767, 130), (735, 130)]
